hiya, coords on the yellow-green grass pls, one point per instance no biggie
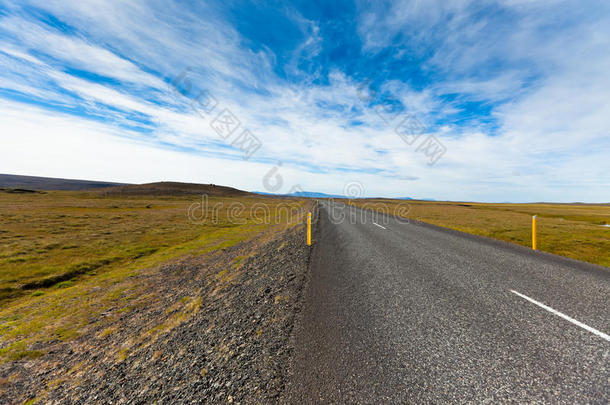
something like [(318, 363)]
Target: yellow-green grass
[(571, 230), (66, 257)]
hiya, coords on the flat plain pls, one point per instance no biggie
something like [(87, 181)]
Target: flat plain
[(577, 231), (67, 257)]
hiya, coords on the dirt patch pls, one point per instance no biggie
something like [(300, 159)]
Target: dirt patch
[(217, 331)]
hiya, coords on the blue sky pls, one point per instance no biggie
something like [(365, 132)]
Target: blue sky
[(446, 99)]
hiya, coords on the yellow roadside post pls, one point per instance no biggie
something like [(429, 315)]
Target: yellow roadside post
[(309, 229), (534, 244)]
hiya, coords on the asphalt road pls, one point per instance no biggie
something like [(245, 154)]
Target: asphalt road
[(400, 312)]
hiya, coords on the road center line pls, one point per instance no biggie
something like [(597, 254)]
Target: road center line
[(382, 227), (564, 316)]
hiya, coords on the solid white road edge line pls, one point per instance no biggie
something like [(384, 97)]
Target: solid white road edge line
[(567, 318), (382, 227)]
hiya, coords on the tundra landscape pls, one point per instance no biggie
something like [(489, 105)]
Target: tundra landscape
[(304, 202), (115, 273), (111, 275)]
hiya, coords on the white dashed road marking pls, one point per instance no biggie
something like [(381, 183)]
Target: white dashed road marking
[(564, 316)]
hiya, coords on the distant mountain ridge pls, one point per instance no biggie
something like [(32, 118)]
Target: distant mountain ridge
[(305, 194), (314, 194), (13, 181), (168, 188)]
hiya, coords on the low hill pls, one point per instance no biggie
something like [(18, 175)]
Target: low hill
[(11, 181), (16, 183), (168, 188)]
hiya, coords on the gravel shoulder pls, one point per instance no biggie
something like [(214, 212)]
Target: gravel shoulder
[(220, 333)]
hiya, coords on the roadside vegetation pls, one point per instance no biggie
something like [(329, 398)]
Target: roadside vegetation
[(578, 231), (68, 259)]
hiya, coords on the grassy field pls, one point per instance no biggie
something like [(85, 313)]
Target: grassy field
[(66, 257), (572, 230)]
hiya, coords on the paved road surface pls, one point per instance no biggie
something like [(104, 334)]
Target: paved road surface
[(410, 313)]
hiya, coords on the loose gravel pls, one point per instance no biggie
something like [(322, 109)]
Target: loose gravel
[(229, 344)]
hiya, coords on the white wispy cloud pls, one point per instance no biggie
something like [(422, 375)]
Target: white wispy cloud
[(550, 101)]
